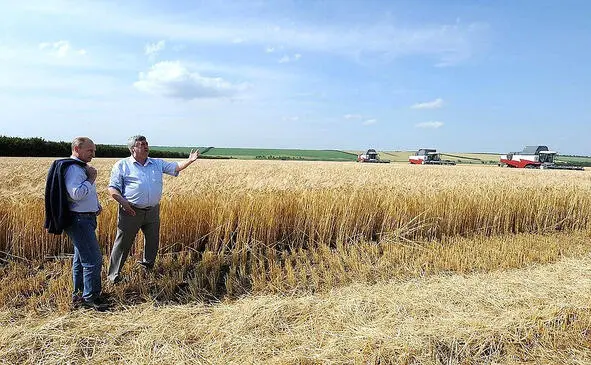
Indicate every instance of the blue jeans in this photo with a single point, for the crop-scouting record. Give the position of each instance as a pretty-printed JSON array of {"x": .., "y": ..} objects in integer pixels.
[{"x": 88, "y": 259}]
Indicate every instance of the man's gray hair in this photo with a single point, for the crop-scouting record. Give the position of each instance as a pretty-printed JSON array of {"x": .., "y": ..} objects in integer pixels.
[
  {"x": 79, "y": 141},
  {"x": 132, "y": 140}
]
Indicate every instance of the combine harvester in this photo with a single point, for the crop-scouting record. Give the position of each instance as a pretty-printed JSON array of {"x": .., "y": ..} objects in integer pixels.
[
  {"x": 534, "y": 157},
  {"x": 371, "y": 156},
  {"x": 428, "y": 156}
]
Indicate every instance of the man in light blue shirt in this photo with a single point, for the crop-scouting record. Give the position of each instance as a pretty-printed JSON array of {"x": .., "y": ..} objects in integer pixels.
[
  {"x": 136, "y": 184},
  {"x": 84, "y": 207}
]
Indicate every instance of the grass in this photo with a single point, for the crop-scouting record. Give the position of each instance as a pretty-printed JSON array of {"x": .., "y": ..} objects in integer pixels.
[
  {"x": 574, "y": 160},
  {"x": 266, "y": 154},
  {"x": 177, "y": 149}
]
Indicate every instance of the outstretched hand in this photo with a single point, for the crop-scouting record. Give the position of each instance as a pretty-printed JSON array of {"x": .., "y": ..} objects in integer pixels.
[
  {"x": 193, "y": 155},
  {"x": 192, "y": 158}
]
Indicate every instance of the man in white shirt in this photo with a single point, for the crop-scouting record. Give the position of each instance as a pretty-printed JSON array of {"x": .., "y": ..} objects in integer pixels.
[
  {"x": 136, "y": 184},
  {"x": 84, "y": 207}
]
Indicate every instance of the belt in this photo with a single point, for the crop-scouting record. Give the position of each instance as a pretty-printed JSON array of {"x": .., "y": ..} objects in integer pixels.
[
  {"x": 146, "y": 208},
  {"x": 84, "y": 213}
]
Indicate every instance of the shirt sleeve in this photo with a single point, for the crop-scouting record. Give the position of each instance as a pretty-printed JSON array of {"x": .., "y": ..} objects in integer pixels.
[
  {"x": 76, "y": 184},
  {"x": 169, "y": 168},
  {"x": 116, "y": 180}
]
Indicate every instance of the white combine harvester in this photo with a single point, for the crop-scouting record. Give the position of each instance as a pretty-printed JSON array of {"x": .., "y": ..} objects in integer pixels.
[
  {"x": 534, "y": 157},
  {"x": 371, "y": 156},
  {"x": 428, "y": 156}
]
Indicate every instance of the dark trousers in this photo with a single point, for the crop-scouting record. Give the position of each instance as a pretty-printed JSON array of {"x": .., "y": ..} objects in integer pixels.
[{"x": 148, "y": 220}]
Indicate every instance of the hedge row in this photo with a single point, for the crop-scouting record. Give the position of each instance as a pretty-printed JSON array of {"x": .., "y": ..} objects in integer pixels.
[{"x": 38, "y": 147}]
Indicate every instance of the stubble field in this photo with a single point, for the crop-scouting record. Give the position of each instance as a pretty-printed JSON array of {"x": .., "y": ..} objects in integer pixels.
[{"x": 315, "y": 262}]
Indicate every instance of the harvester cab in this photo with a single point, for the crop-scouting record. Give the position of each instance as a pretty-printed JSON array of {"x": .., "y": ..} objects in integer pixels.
[
  {"x": 534, "y": 157},
  {"x": 546, "y": 157},
  {"x": 370, "y": 156},
  {"x": 428, "y": 156}
]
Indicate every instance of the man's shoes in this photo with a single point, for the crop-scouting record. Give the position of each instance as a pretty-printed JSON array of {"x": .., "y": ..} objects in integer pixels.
[
  {"x": 148, "y": 266},
  {"x": 77, "y": 300},
  {"x": 117, "y": 280},
  {"x": 98, "y": 303}
]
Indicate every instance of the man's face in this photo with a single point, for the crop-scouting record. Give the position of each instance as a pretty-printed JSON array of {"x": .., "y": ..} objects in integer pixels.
[
  {"x": 86, "y": 151},
  {"x": 140, "y": 149}
]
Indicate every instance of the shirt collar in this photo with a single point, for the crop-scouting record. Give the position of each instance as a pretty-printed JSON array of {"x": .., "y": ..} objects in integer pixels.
[
  {"x": 76, "y": 158},
  {"x": 133, "y": 160}
]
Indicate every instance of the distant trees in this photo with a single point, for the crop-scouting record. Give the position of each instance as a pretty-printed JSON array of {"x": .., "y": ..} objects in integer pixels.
[{"x": 38, "y": 147}]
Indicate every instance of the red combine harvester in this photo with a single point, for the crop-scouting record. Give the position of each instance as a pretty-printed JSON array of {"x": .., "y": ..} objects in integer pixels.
[
  {"x": 534, "y": 157},
  {"x": 428, "y": 156}
]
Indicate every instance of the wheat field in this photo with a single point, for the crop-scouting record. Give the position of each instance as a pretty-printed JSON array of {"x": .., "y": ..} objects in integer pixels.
[{"x": 315, "y": 262}]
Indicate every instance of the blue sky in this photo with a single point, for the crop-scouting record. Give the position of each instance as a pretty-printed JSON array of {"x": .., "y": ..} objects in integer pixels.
[{"x": 459, "y": 76}]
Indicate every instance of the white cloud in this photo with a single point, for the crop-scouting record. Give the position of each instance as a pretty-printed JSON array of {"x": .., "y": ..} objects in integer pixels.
[
  {"x": 370, "y": 122},
  {"x": 152, "y": 49},
  {"x": 353, "y": 116},
  {"x": 61, "y": 49},
  {"x": 447, "y": 43},
  {"x": 269, "y": 50},
  {"x": 432, "y": 125},
  {"x": 294, "y": 58},
  {"x": 174, "y": 80},
  {"x": 435, "y": 104}
]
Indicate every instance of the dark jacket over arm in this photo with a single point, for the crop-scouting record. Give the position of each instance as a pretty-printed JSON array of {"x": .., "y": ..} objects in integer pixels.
[{"x": 57, "y": 212}]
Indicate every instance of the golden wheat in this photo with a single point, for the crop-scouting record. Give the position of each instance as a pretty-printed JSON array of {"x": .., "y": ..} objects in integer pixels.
[
  {"x": 225, "y": 205},
  {"x": 231, "y": 227}
]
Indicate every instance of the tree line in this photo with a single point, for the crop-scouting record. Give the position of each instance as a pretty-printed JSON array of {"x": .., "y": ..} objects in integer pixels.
[{"x": 38, "y": 147}]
